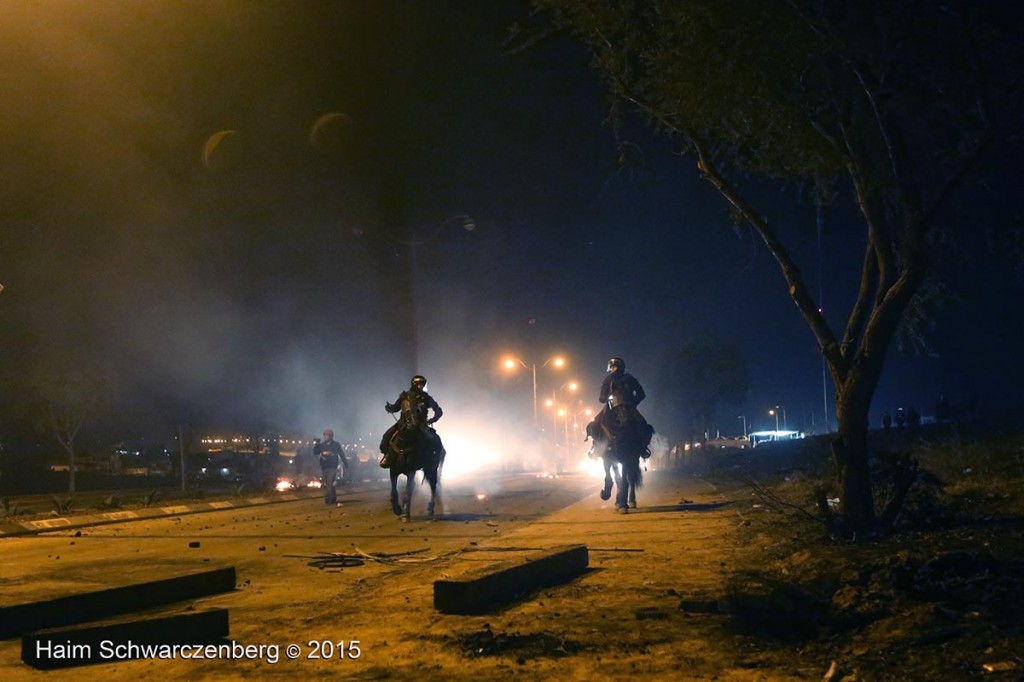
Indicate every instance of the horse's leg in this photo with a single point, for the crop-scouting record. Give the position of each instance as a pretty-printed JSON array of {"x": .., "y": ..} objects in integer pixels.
[
  {"x": 634, "y": 481},
  {"x": 607, "y": 491},
  {"x": 632, "y": 493},
  {"x": 621, "y": 487},
  {"x": 407, "y": 498},
  {"x": 432, "y": 480},
  {"x": 395, "y": 507}
]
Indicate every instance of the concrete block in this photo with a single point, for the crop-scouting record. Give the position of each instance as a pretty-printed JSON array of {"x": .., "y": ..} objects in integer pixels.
[
  {"x": 153, "y": 638},
  {"x": 481, "y": 590},
  {"x": 81, "y": 608}
]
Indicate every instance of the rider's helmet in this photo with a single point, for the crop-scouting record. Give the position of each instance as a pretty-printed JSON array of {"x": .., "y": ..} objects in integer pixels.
[
  {"x": 616, "y": 365},
  {"x": 419, "y": 382}
]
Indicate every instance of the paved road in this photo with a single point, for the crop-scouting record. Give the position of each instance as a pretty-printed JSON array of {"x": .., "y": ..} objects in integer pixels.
[
  {"x": 58, "y": 563},
  {"x": 677, "y": 545}
]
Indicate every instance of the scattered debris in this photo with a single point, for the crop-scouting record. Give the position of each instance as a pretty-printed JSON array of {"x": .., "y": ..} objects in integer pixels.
[
  {"x": 344, "y": 560},
  {"x": 650, "y": 613},
  {"x": 536, "y": 645}
]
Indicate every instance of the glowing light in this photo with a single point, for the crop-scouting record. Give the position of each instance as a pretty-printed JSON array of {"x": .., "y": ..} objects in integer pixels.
[
  {"x": 315, "y": 483},
  {"x": 283, "y": 485},
  {"x": 470, "y": 448},
  {"x": 481, "y": 497},
  {"x": 594, "y": 468},
  {"x": 558, "y": 362},
  {"x": 510, "y": 364}
]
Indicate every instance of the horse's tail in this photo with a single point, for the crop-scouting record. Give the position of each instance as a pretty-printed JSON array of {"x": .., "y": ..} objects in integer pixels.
[{"x": 636, "y": 473}]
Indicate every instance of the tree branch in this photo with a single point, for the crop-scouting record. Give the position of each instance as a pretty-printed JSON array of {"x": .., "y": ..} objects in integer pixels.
[
  {"x": 797, "y": 289},
  {"x": 855, "y": 323}
]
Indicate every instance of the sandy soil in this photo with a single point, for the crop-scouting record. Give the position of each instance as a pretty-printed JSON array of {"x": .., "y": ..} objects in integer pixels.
[{"x": 717, "y": 576}]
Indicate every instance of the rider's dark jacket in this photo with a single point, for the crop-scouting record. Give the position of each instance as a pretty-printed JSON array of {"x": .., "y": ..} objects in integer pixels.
[
  {"x": 622, "y": 388},
  {"x": 422, "y": 400}
]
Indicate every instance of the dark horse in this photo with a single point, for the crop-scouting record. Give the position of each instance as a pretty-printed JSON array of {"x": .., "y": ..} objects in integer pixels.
[
  {"x": 411, "y": 449},
  {"x": 620, "y": 445}
]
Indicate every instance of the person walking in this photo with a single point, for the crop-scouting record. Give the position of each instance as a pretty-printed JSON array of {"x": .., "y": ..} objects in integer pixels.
[{"x": 329, "y": 452}]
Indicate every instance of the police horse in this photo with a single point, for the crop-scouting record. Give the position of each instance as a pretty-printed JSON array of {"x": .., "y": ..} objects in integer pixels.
[
  {"x": 620, "y": 445},
  {"x": 410, "y": 450}
]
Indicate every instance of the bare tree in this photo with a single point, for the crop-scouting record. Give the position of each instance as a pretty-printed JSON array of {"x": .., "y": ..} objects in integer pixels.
[{"x": 69, "y": 395}]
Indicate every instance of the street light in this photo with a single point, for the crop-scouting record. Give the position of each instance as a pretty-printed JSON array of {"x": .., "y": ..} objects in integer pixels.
[
  {"x": 775, "y": 413},
  {"x": 556, "y": 361},
  {"x": 554, "y": 403},
  {"x": 785, "y": 426},
  {"x": 744, "y": 424}
]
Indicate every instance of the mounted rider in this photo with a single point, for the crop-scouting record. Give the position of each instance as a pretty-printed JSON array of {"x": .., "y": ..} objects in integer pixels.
[
  {"x": 621, "y": 393},
  {"x": 420, "y": 401}
]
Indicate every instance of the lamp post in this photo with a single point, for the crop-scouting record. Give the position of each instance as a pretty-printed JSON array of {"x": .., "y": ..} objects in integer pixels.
[
  {"x": 774, "y": 412},
  {"x": 785, "y": 426},
  {"x": 556, "y": 361},
  {"x": 744, "y": 424},
  {"x": 576, "y": 428},
  {"x": 572, "y": 386}
]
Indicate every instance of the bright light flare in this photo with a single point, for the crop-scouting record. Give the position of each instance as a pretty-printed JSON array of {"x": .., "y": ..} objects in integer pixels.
[
  {"x": 315, "y": 483},
  {"x": 594, "y": 468},
  {"x": 283, "y": 485},
  {"x": 470, "y": 448}
]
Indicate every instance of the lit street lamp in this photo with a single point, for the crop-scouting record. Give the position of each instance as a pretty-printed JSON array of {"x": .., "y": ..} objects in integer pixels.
[
  {"x": 775, "y": 413},
  {"x": 556, "y": 361},
  {"x": 572, "y": 386}
]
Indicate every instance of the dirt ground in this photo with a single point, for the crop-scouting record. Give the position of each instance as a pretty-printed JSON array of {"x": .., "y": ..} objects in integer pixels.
[
  {"x": 721, "y": 574},
  {"x": 736, "y": 580}
]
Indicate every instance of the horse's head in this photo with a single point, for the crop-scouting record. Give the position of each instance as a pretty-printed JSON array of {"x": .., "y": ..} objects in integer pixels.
[{"x": 413, "y": 415}]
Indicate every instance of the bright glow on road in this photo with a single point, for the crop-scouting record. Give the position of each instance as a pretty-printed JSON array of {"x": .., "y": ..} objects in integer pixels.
[
  {"x": 471, "y": 448},
  {"x": 591, "y": 467}
]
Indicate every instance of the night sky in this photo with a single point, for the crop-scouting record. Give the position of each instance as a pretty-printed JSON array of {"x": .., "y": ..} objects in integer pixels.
[{"x": 275, "y": 277}]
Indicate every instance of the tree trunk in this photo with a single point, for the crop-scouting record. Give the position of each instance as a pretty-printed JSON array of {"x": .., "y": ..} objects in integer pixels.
[
  {"x": 850, "y": 451},
  {"x": 71, "y": 468},
  {"x": 181, "y": 454}
]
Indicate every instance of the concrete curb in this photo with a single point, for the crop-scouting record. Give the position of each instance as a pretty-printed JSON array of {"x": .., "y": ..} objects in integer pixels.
[
  {"x": 14, "y": 528},
  {"x": 104, "y": 643},
  {"x": 113, "y": 601},
  {"x": 482, "y": 590}
]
